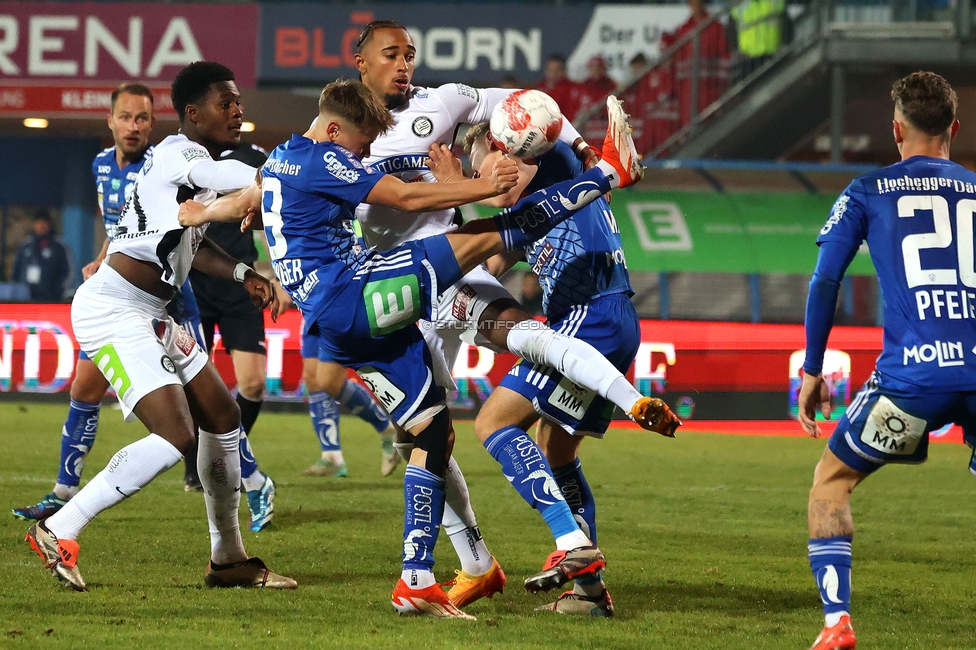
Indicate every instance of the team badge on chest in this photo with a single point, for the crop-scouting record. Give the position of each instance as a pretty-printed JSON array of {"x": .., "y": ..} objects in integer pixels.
[{"x": 422, "y": 127}]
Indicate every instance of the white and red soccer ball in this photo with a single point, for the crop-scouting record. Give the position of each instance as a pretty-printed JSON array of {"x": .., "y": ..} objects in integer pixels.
[{"x": 526, "y": 124}]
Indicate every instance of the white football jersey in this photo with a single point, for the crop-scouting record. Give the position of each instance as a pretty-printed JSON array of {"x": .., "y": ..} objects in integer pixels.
[
  {"x": 431, "y": 115},
  {"x": 149, "y": 228}
]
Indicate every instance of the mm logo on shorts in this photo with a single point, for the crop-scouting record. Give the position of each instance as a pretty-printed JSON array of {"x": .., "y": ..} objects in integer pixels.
[
  {"x": 385, "y": 390},
  {"x": 392, "y": 304},
  {"x": 108, "y": 362},
  {"x": 891, "y": 430}
]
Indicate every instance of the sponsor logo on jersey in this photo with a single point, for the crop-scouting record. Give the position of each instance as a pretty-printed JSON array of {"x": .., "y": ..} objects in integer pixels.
[
  {"x": 467, "y": 91},
  {"x": 275, "y": 166},
  {"x": 311, "y": 280},
  {"x": 184, "y": 341},
  {"x": 840, "y": 207},
  {"x": 891, "y": 430},
  {"x": 422, "y": 127},
  {"x": 545, "y": 255},
  {"x": 104, "y": 169},
  {"x": 924, "y": 184},
  {"x": 405, "y": 162},
  {"x": 131, "y": 176},
  {"x": 461, "y": 300},
  {"x": 571, "y": 399},
  {"x": 116, "y": 183},
  {"x": 338, "y": 169},
  {"x": 946, "y": 353},
  {"x": 385, "y": 390},
  {"x": 392, "y": 304},
  {"x": 191, "y": 153}
]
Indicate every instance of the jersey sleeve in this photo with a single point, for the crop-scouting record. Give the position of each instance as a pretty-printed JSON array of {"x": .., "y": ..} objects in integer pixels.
[
  {"x": 176, "y": 161},
  {"x": 341, "y": 175},
  {"x": 471, "y": 105},
  {"x": 848, "y": 220}
]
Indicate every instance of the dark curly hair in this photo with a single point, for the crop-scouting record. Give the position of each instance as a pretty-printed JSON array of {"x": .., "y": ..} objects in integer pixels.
[
  {"x": 366, "y": 35},
  {"x": 193, "y": 82},
  {"x": 927, "y": 101}
]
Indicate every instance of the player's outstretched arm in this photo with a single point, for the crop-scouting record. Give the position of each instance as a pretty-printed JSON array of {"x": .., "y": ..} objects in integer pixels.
[
  {"x": 234, "y": 207},
  {"x": 419, "y": 197},
  {"x": 212, "y": 260}
]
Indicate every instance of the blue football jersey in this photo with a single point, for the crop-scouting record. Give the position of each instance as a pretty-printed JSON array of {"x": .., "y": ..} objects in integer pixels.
[
  {"x": 581, "y": 258},
  {"x": 114, "y": 185},
  {"x": 310, "y": 193},
  {"x": 917, "y": 218}
]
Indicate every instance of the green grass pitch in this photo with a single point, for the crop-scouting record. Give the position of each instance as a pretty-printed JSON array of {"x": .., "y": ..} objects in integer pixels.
[{"x": 705, "y": 537}]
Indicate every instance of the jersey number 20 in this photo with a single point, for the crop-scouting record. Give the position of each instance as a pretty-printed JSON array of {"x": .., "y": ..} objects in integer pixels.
[{"x": 941, "y": 238}]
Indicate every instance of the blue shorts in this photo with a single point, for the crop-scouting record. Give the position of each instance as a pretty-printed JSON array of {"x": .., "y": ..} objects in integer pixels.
[
  {"x": 370, "y": 326},
  {"x": 610, "y": 324},
  {"x": 885, "y": 425},
  {"x": 184, "y": 310}
]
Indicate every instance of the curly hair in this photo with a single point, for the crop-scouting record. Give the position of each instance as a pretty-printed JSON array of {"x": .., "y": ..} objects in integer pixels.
[
  {"x": 192, "y": 83},
  {"x": 927, "y": 101}
]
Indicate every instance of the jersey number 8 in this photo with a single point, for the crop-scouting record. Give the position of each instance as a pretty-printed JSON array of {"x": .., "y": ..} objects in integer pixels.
[
  {"x": 941, "y": 238},
  {"x": 271, "y": 216}
]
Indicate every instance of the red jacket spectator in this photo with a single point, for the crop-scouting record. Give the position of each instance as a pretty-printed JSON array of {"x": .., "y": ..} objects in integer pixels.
[
  {"x": 558, "y": 86},
  {"x": 713, "y": 62},
  {"x": 596, "y": 86}
]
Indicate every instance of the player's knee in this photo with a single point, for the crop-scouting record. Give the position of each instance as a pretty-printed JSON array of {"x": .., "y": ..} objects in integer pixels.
[
  {"x": 833, "y": 479},
  {"x": 437, "y": 441},
  {"x": 309, "y": 378},
  {"x": 251, "y": 387}
]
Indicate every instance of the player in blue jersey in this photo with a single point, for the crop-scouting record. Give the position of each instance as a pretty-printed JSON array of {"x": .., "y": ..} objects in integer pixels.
[
  {"x": 917, "y": 219},
  {"x": 131, "y": 121},
  {"x": 586, "y": 294},
  {"x": 363, "y": 305}
]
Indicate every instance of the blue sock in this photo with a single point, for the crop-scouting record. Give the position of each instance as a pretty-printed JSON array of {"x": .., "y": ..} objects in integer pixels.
[
  {"x": 527, "y": 470},
  {"x": 325, "y": 420},
  {"x": 535, "y": 215},
  {"x": 423, "y": 496},
  {"x": 77, "y": 438},
  {"x": 830, "y": 561},
  {"x": 361, "y": 404},
  {"x": 578, "y": 496},
  {"x": 248, "y": 464}
]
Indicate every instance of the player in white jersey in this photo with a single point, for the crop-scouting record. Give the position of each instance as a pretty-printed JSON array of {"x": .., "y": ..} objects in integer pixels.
[
  {"x": 159, "y": 372},
  {"x": 478, "y": 309}
]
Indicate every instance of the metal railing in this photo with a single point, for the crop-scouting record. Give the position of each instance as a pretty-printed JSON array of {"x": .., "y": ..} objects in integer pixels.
[{"x": 687, "y": 85}]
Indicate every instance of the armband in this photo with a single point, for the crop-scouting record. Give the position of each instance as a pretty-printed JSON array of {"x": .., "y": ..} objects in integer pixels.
[{"x": 240, "y": 270}]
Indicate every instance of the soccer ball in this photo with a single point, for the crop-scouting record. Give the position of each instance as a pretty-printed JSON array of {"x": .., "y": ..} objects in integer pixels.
[{"x": 526, "y": 124}]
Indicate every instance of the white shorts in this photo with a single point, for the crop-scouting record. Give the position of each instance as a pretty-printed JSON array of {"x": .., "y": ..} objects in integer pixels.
[
  {"x": 459, "y": 310},
  {"x": 127, "y": 333}
]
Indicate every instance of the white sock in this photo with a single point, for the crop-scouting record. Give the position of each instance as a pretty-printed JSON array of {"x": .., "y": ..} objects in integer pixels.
[
  {"x": 572, "y": 540},
  {"x": 253, "y": 482},
  {"x": 334, "y": 457},
  {"x": 65, "y": 491},
  {"x": 416, "y": 579},
  {"x": 131, "y": 468},
  {"x": 219, "y": 466},
  {"x": 460, "y": 524},
  {"x": 577, "y": 360},
  {"x": 830, "y": 620},
  {"x": 611, "y": 173}
]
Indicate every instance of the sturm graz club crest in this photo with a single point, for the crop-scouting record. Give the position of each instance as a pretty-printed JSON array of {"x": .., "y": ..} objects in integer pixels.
[{"x": 422, "y": 127}]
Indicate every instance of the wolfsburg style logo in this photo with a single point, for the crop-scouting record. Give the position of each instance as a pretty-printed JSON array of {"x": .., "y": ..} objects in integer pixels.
[
  {"x": 392, "y": 304},
  {"x": 338, "y": 169}
]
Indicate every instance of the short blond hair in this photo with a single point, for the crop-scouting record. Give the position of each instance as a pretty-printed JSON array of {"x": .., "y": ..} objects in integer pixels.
[{"x": 353, "y": 101}]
